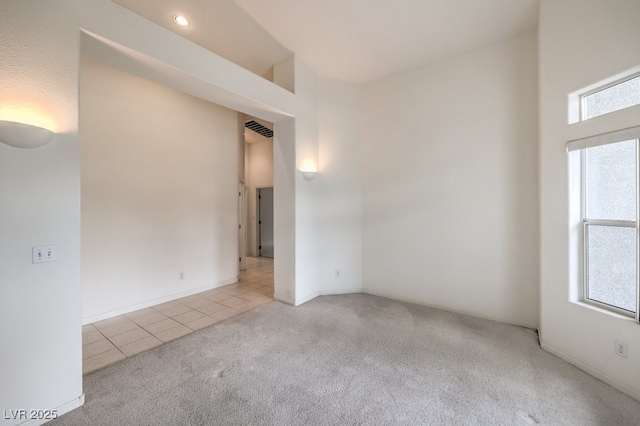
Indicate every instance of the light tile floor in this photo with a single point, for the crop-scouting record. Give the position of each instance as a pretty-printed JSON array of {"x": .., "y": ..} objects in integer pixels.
[{"x": 114, "y": 339}]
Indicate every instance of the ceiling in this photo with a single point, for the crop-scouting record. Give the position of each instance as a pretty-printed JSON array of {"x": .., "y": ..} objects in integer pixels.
[
  {"x": 220, "y": 26},
  {"x": 352, "y": 40}
]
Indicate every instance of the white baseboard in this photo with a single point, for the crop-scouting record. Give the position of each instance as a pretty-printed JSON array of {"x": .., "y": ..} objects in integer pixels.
[
  {"x": 283, "y": 300},
  {"x": 313, "y": 295},
  {"x": 457, "y": 311},
  {"x": 138, "y": 306},
  {"x": 341, "y": 291},
  {"x": 63, "y": 409},
  {"x": 306, "y": 298},
  {"x": 326, "y": 293},
  {"x": 633, "y": 393}
]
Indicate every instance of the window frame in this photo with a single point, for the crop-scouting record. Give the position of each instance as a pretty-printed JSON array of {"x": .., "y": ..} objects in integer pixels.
[
  {"x": 586, "y": 222},
  {"x": 584, "y": 95},
  {"x": 582, "y": 133}
]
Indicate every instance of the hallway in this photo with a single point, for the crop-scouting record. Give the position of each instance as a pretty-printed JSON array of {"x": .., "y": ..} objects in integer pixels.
[{"x": 114, "y": 339}]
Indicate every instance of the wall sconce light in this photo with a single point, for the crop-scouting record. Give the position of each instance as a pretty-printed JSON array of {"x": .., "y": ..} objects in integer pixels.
[
  {"x": 22, "y": 135},
  {"x": 309, "y": 176},
  {"x": 308, "y": 170}
]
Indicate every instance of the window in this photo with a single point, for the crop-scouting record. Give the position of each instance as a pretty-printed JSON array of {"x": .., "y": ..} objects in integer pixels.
[
  {"x": 610, "y": 225},
  {"x": 605, "y": 180},
  {"x": 620, "y": 95}
]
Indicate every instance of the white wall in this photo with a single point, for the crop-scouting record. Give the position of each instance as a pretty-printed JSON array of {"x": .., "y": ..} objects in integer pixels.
[
  {"x": 41, "y": 357},
  {"x": 307, "y": 201},
  {"x": 450, "y": 184},
  {"x": 581, "y": 43},
  {"x": 158, "y": 193},
  {"x": 260, "y": 175},
  {"x": 40, "y": 189},
  {"x": 339, "y": 185},
  {"x": 284, "y": 208},
  {"x": 241, "y": 147}
]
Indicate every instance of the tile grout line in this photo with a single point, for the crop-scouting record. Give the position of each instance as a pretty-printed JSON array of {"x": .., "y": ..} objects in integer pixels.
[{"x": 245, "y": 279}]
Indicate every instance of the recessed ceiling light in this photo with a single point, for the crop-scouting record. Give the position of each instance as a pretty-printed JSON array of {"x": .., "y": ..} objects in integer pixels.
[{"x": 181, "y": 20}]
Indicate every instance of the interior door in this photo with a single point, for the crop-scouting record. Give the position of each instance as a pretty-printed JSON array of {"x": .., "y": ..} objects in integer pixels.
[
  {"x": 241, "y": 226},
  {"x": 265, "y": 222}
]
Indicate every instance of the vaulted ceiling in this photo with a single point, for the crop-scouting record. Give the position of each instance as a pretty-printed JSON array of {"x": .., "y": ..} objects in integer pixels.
[
  {"x": 363, "y": 40},
  {"x": 352, "y": 40}
]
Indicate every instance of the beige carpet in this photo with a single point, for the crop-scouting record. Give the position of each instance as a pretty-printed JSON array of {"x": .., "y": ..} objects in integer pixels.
[{"x": 352, "y": 359}]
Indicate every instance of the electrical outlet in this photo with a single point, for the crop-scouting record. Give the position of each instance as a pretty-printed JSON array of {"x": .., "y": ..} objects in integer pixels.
[
  {"x": 621, "y": 348},
  {"x": 42, "y": 254},
  {"x": 181, "y": 275}
]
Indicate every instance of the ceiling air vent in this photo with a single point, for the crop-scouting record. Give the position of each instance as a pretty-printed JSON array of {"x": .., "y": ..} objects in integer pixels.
[{"x": 259, "y": 129}]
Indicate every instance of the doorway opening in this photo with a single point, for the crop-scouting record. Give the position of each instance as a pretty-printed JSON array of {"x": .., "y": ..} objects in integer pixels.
[
  {"x": 257, "y": 248},
  {"x": 265, "y": 222},
  {"x": 242, "y": 235},
  {"x": 258, "y": 180}
]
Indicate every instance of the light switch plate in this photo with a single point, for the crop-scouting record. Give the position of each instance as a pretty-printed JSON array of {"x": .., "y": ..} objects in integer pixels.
[{"x": 42, "y": 254}]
